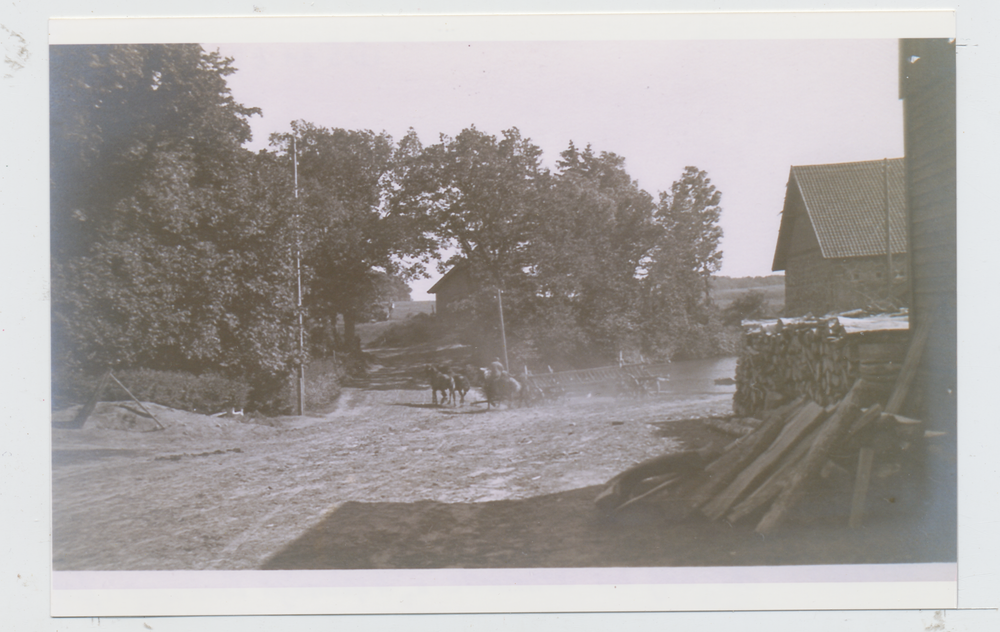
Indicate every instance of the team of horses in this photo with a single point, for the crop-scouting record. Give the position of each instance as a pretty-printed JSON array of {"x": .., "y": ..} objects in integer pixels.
[{"x": 495, "y": 382}]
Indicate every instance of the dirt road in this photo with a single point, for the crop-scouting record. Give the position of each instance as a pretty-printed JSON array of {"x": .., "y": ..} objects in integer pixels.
[
  {"x": 389, "y": 481},
  {"x": 218, "y": 493}
]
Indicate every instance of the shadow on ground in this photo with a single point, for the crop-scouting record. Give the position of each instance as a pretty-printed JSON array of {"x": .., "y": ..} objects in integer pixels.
[{"x": 565, "y": 530}]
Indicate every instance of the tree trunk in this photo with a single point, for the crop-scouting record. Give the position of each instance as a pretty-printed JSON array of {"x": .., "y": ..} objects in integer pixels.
[{"x": 349, "y": 321}]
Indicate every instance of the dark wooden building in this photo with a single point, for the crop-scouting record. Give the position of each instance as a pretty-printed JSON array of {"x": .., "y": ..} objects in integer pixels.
[
  {"x": 927, "y": 88},
  {"x": 455, "y": 285},
  {"x": 832, "y": 241}
]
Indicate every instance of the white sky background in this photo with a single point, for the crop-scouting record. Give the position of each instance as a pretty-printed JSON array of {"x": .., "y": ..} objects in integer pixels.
[{"x": 744, "y": 111}]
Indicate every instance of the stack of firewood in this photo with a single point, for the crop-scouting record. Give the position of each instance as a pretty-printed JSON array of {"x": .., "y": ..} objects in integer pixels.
[
  {"x": 785, "y": 360},
  {"x": 779, "y": 454}
]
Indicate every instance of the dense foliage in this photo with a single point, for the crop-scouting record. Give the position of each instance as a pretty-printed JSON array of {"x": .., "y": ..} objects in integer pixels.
[
  {"x": 591, "y": 267},
  {"x": 353, "y": 241},
  {"x": 176, "y": 249},
  {"x": 170, "y": 245}
]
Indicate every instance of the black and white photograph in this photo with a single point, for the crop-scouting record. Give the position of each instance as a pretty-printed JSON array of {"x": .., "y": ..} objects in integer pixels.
[{"x": 637, "y": 310}]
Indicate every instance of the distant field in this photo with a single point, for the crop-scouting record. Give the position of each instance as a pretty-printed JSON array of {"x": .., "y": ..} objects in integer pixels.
[
  {"x": 403, "y": 310},
  {"x": 775, "y": 295}
]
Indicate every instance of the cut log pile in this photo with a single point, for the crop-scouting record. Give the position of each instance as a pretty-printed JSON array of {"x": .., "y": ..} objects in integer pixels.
[
  {"x": 807, "y": 357},
  {"x": 819, "y": 358},
  {"x": 814, "y": 386}
]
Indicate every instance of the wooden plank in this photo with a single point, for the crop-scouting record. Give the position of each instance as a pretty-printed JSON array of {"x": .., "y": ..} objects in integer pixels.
[
  {"x": 680, "y": 463},
  {"x": 134, "y": 399},
  {"x": 769, "y": 489},
  {"x": 88, "y": 408},
  {"x": 911, "y": 364},
  {"x": 870, "y": 414},
  {"x": 794, "y": 430},
  {"x": 831, "y": 432},
  {"x": 724, "y": 469},
  {"x": 665, "y": 484},
  {"x": 861, "y": 482}
]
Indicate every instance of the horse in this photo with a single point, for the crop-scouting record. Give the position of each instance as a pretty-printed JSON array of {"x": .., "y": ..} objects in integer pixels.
[
  {"x": 462, "y": 384},
  {"x": 498, "y": 385},
  {"x": 443, "y": 383}
]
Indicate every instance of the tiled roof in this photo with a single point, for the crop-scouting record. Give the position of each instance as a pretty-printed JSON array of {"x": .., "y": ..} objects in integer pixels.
[{"x": 846, "y": 206}]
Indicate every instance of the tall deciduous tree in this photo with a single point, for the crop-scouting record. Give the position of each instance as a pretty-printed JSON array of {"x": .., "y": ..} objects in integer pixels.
[
  {"x": 169, "y": 241},
  {"x": 478, "y": 192},
  {"x": 350, "y": 233},
  {"x": 682, "y": 263},
  {"x": 591, "y": 234}
]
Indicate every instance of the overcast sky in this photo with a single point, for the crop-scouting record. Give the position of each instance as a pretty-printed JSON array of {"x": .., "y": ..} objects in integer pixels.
[{"x": 744, "y": 111}]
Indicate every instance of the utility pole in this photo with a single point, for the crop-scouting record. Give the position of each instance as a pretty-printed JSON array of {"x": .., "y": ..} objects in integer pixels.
[
  {"x": 503, "y": 334},
  {"x": 300, "y": 390},
  {"x": 888, "y": 246}
]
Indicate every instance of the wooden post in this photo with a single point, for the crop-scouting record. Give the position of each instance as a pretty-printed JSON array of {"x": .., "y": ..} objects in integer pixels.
[
  {"x": 910, "y": 365},
  {"x": 888, "y": 245},
  {"x": 88, "y": 408},
  {"x": 136, "y": 400},
  {"x": 300, "y": 376},
  {"x": 861, "y": 482},
  {"x": 503, "y": 334}
]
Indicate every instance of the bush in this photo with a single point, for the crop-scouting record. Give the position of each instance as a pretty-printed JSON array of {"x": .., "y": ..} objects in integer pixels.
[
  {"x": 749, "y": 305},
  {"x": 276, "y": 395},
  {"x": 205, "y": 393}
]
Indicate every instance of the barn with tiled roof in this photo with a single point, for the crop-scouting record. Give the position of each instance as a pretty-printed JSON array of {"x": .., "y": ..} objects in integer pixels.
[{"x": 832, "y": 241}]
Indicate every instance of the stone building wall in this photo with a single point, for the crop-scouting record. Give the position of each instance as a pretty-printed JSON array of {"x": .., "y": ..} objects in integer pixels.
[{"x": 821, "y": 286}]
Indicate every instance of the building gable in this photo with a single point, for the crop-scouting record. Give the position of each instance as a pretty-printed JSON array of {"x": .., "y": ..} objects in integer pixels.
[{"x": 845, "y": 206}]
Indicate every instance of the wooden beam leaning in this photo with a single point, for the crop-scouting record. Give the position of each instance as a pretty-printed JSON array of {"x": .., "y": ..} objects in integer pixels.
[
  {"x": 662, "y": 486},
  {"x": 136, "y": 400},
  {"x": 802, "y": 423},
  {"x": 723, "y": 470},
  {"x": 831, "y": 432},
  {"x": 872, "y": 413},
  {"x": 88, "y": 408},
  {"x": 910, "y": 364},
  {"x": 770, "y": 488},
  {"x": 861, "y": 482}
]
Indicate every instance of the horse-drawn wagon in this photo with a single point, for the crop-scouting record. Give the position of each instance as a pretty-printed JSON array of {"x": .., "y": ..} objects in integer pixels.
[{"x": 636, "y": 380}]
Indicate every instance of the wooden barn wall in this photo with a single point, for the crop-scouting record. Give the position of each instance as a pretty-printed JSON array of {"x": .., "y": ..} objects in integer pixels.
[
  {"x": 927, "y": 69},
  {"x": 457, "y": 287},
  {"x": 822, "y": 286},
  {"x": 806, "y": 276}
]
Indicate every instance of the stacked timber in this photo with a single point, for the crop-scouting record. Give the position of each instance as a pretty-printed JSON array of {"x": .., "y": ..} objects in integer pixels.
[
  {"x": 762, "y": 475},
  {"x": 784, "y": 360},
  {"x": 819, "y": 358},
  {"x": 767, "y": 472}
]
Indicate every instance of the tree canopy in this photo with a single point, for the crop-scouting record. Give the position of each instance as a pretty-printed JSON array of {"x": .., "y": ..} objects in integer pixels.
[
  {"x": 174, "y": 247},
  {"x": 350, "y": 233},
  {"x": 169, "y": 240}
]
